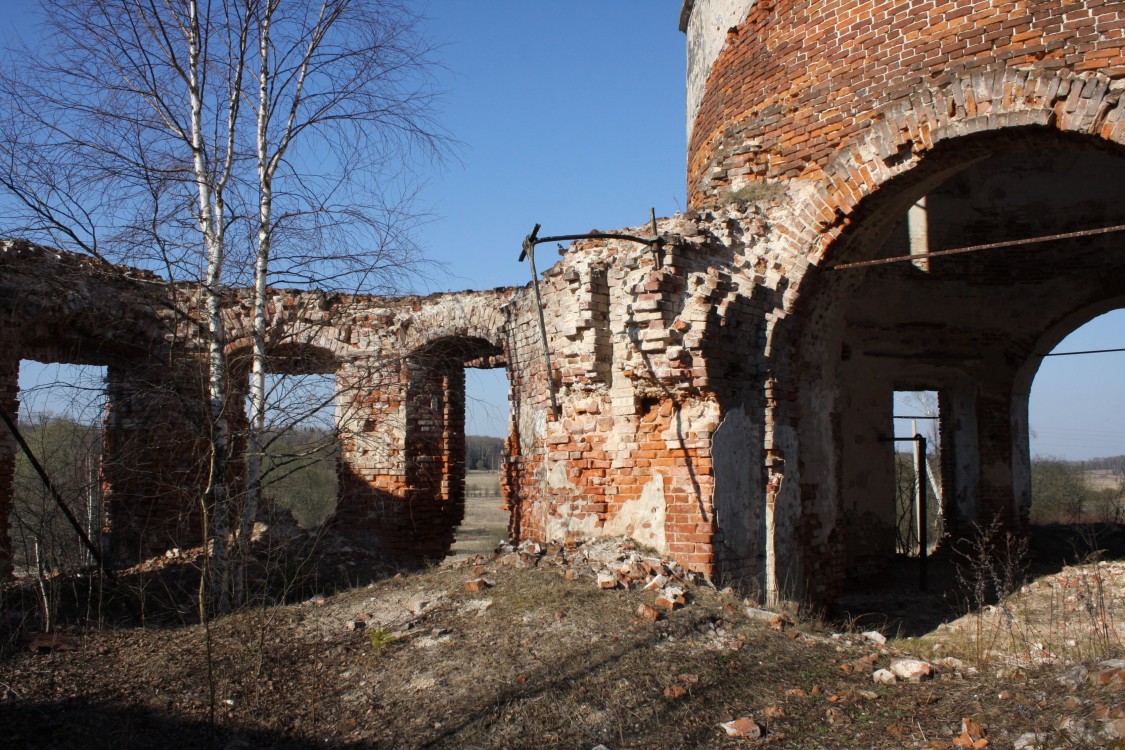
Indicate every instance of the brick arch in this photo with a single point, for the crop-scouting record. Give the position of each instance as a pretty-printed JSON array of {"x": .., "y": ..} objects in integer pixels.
[
  {"x": 798, "y": 78},
  {"x": 931, "y": 132},
  {"x": 846, "y": 214},
  {"x": 1025, "y": 378},
  {"x": 297, "y": 321},
  {"x": 458, "y": 348},
  {"x": 313, "y": 355},
  {"x": 479, "y": 316},
  {"x": 1054, "y": 335}
]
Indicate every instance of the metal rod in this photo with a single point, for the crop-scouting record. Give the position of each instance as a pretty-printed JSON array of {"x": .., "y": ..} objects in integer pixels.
[
  {"x": 921, "y": 481},
  {"x": 529, "y": 244},
  {"x": 534, "y": 240},
  {"x": 54, "y": 492},
  {"x": 975, "y": 248},
  {"x": 1088, "y": 351}
]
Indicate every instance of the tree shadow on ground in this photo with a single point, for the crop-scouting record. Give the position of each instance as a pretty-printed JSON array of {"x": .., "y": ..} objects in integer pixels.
[
  {"x": 164, "y": 592},
  {"x": 83, "y": 724}
]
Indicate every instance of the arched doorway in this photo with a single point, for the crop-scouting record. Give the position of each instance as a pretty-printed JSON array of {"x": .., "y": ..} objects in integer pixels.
[{"x": 875, "y": 319}]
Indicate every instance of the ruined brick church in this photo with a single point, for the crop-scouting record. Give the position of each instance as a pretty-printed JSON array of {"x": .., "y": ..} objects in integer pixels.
[{"x": 723, "y": 395}]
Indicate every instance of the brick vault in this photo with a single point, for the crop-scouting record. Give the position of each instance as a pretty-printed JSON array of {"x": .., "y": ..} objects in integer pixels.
[{"x": 725, "y": 400}]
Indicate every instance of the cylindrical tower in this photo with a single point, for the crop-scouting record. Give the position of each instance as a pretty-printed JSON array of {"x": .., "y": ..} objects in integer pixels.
[{"x": 777, "y": 87}]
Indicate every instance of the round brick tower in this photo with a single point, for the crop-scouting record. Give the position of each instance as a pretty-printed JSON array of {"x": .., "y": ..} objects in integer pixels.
[
  {"x": 831, "y": 141},
  {"x": 777, "y": 87}
]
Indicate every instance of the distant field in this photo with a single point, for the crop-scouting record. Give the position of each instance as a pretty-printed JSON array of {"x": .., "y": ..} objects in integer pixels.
[
  {"x": 1103, "y": 479},
  {"x": 485, "y": 524},
  {"x": 482, "y": 483}
]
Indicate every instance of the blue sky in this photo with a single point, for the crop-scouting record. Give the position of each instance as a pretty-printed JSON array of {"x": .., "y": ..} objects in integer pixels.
[{"x": 571, "y": 115}]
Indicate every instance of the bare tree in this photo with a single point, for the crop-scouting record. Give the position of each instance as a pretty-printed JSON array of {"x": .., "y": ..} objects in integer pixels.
[
  {"x": 331, "y": 79},
  {"x": 228, "y": 143}
]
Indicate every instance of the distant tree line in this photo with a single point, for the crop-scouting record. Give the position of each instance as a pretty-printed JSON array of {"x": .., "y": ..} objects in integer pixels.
[
  {"x": 1064, "y": 492},
  {"x": 482, "y": 453},
  {"x": 42, "y": 538},
  {"x": 301, "y": 465},
  {"x": 1116, "y": 464}
]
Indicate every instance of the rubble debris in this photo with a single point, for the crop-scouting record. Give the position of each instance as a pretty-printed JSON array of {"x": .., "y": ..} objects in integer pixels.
[
  {"x": 476, "y": 585},
  {"x": 46, "y": 642},
  {"x": 744, "y": 727},
  {"x": 912, "y": 670}
]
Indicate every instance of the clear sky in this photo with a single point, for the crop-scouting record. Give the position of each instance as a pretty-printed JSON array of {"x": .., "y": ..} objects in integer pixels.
[{"x": 571, "y": 115}]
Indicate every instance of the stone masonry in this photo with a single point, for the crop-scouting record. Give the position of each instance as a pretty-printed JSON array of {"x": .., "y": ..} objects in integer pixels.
[{"x": 726, "y": 398}]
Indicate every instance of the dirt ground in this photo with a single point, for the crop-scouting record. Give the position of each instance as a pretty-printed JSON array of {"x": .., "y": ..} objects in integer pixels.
[{"x": 540, "y": 655}]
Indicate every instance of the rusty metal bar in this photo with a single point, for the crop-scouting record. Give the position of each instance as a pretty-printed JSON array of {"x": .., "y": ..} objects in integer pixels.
[
  {"x": 529, "y": 243},
  {"x": 656, "y": 242},
  {"x": 1088, "y": 351},
  {"x": 975, "y": 248},
  {"x": 588, "y": 236},
  {"x": 920, "y": 478}
]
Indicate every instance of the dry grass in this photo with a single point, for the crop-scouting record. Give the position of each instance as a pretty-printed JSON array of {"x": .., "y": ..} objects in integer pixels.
[
  {"x": 1070, "y": 616},
  {"x": 486, "y": 522},
  {"x": 535, "y": 661}
]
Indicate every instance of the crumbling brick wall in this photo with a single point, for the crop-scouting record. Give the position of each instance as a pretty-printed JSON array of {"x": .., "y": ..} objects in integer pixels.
[
  {"x": 399, "y": 367},
  {"x": 649, "y": 350},
  {"x": 724, "y": 399}
]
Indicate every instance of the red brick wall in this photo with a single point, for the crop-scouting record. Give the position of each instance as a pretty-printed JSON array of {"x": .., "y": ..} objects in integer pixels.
[
  {"x": 800, "y": 79},
  {"x": 155, "y": 459}
]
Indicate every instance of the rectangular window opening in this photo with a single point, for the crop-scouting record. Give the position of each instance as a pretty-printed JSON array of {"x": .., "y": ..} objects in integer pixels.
[
  {"x": 916, "y": 414},
  {"x": 62, "y": 409}
]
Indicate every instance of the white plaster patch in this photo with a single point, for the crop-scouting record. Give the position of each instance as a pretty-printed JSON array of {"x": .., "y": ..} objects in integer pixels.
[
  {"x": 557, "y": 478},
  {"x": 643, "y": 519},
  {"x": 706, "y": 36},
  {"x": 532, "y": 427},
  {"x": 568, "y": 524},
  {"x": 567, "y": 519}
]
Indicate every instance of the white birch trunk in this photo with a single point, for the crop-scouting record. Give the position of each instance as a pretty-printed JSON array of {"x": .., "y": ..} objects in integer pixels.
[
  {"x": 255, "y": 440},
  {"x": 267, "y": 168},
  {"x": 211, "y": 186}
]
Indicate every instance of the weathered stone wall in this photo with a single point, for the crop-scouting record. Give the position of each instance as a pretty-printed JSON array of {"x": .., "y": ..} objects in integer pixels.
[
  {"x": 727, "y": 399},
  {"x": 398, "y": 364}
]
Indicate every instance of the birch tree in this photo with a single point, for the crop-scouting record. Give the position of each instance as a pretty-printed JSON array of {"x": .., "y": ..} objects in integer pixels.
[{"x": 230, "y": 143}]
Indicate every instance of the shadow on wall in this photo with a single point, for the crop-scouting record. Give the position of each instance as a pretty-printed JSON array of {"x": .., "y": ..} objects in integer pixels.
[{"x": 409, "y": 527}]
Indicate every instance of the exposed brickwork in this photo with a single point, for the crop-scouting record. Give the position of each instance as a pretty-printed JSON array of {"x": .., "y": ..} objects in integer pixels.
[
  {"x": 802, "y": 80},
  {"x": 727, "y": 398}
]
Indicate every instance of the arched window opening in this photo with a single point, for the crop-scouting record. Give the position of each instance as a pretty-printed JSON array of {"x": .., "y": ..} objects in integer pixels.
[
  {"x": 485, "y": 524},
  {"x": 1076, "y": 430}
]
